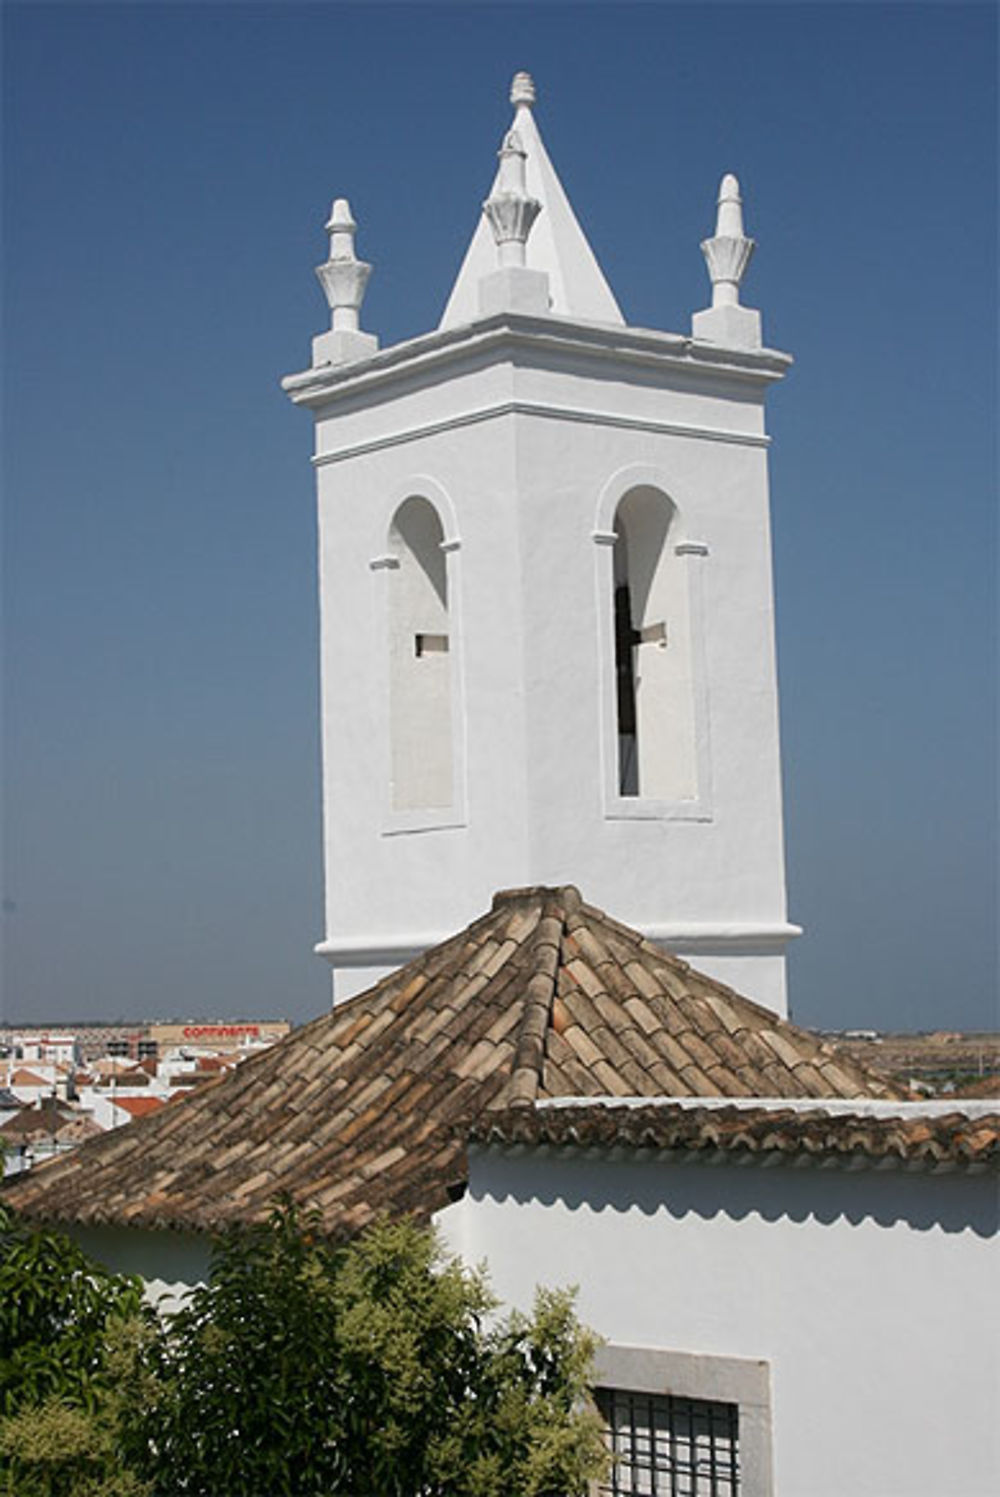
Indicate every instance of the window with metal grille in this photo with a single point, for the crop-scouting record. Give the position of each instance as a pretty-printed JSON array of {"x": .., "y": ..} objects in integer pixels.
[{"x": 663, "y": 1446}]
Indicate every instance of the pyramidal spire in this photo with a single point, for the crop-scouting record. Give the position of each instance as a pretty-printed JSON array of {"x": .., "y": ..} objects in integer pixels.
[{"x": 557, "y": 246}]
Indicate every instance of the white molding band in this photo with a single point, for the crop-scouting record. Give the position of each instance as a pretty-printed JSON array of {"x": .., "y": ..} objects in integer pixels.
[
  {"x": 378, "y": 951},
  {"x": 708, "y": 937},
  {"x": 644, "y": 808},
  {"x": 394, "y": 951},
  {"x": 427, "y": 819},
  {"x": 643, "y": 347},
  {"x": 544, "y": 409},
  {"x": 867, "y": 1107}
]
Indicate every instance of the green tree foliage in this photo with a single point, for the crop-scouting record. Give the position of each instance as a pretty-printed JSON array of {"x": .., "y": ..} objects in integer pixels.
[
  {"x": 249, "y": 1375},
  {"x": 55, "y": 1308},
  {"x": 71, "y": 1341},
  {"x": 303, "y": 1369},
  {"x": 57, "y": 1450}
]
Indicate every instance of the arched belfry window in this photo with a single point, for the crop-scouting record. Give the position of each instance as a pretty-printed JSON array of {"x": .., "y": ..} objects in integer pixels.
[
  {"x": 654, "y": 687},
  {"x": 419, "y": 664}
]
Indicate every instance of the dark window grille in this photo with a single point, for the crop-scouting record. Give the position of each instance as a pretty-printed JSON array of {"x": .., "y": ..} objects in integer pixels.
[{"x": 663, "y": 1446}]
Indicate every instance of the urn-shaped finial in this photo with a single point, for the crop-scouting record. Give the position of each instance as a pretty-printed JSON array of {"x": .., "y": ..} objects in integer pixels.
[
  {"x": 509, "y": 210},
  {"x": 727, "y": 254},
  {"x": 522, "y": 90},
  {"x": 343, "y": 276}
]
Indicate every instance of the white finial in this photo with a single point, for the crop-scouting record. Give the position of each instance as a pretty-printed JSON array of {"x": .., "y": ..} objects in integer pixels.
[
  {"x": 509, "y": 209},
  {"x": 342, "y": 229},
  {"x": 522, "y": 90},
  {"x": 344, "y": 277},
  {"x": 729, "y": 217},
  {"x": 727, "y": 255}
]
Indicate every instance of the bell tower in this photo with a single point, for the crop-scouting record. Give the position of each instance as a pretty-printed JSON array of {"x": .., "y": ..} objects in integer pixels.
[{"x": 547, "y": 621}]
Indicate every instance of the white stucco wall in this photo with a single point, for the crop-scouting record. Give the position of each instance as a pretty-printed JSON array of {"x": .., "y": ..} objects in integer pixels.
[
  {"x": 171, "y": 1263},
  {"x": 874, "y": 1296},
  {"x": 525, "y": 455}
]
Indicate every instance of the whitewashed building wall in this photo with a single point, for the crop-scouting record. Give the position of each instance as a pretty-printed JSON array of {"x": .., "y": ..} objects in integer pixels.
[{"x": 872, "y": 1297}]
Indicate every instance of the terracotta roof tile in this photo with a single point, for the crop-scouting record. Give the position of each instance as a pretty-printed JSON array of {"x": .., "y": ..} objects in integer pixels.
[
  {"x": 356, "y": 1112},
  {"x": 952, "y": 1140}
]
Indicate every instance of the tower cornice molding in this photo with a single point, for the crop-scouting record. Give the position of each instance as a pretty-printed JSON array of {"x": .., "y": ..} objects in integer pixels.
[
  {"x": 685, "y": 935},
  {"x": 492, "y": 338},
  {"x": 542, "y": 409}
]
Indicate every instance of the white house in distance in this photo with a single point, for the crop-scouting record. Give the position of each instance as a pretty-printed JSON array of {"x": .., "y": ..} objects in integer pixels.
[{"x": 547, "y": 649}]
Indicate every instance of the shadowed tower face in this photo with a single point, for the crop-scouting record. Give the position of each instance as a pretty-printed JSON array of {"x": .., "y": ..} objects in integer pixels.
[{"x": 546, "y": 606}]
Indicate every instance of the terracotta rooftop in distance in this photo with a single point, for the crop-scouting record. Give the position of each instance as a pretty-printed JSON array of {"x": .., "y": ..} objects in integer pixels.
[
  {"x": 140, "y": 1107},
  {"x": 38, "y": 1121},
  {"x": 23, "y": 1077},
  {"x": 77, "y": 1129},
  {"x": 357, "y": 1112},
  {"x": 745, "y": 1134},
  {"x": 217, "y": 1062},
  {"x": 985, "y": 1086},
  {"x": 113, "y": 1065}
]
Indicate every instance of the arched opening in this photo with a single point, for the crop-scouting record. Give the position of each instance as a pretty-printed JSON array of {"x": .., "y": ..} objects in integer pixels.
[
  {"x": 419, "y": 661},
  {"x": 653, "y": 659}
]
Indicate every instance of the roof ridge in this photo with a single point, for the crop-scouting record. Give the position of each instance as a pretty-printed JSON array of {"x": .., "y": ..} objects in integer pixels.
[{"x": 545, "y": 959}]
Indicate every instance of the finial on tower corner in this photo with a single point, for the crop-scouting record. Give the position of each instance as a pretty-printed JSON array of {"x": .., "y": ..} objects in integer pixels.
[
  {"x": 509, "y": 210},
  {"x": 522, "y": 90},
  {"x": 344, "y": 279},
  {"x": 341, "y": 228},
  {"x": 729, "y": 214},
  {"x": 510, "y": 213},
  {"x": 727, "y": 255}
]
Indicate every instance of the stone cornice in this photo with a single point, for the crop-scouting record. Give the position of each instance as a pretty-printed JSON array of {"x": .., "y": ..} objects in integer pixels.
[
  {"x": 540, "y": 408},
  {"x": 704, "y": 936},
  {"x": 507, "y": 333}
]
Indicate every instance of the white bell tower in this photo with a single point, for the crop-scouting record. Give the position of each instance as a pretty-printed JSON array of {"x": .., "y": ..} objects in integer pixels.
[{"x": 546, "y": 605}]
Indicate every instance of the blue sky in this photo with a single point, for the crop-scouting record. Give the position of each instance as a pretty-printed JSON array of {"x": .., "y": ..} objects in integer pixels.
[{"x": 167, "y": 172}]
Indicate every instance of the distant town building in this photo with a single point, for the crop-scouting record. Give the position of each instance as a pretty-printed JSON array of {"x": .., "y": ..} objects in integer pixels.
[
  {"x": 58, "y": 1089},
  {"x": 40, "y": 1045},
  {"x": 85, "y": 1042},
  {"x": 213, "y": 1036}
]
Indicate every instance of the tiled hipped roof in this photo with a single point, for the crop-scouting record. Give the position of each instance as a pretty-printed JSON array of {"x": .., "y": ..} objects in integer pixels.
[
  {"x": 357, "y": 1113},
  {"x": 718, "y": 1135}
]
